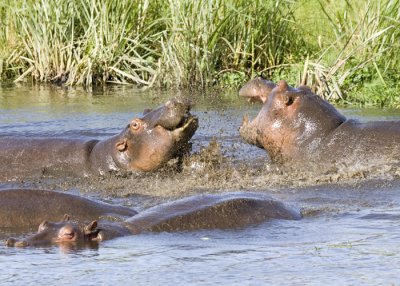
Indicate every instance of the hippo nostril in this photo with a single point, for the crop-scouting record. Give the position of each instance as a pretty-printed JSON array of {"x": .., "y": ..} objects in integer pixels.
[
  {"x": 68, "y": 236},
  {"x": 66, "y": 233}
]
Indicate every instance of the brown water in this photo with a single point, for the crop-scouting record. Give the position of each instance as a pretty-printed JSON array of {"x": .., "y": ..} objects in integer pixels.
[{"x": 349, "y": 234}]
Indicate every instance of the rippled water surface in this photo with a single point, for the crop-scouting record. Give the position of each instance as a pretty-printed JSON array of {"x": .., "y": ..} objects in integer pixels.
[{"x": 349, "y": 236}]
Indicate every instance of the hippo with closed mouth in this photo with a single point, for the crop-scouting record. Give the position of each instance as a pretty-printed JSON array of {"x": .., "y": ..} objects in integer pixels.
[
  {"x": 208, "y": 211},
  {"x": 145, "y": 144},
  {"x": 297, "y": 126}
]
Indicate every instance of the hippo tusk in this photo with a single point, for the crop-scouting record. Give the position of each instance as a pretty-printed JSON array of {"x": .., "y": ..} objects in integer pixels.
[{"x": 245, "y": 120}]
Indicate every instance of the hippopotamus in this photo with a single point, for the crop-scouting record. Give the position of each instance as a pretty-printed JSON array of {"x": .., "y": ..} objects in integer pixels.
[
  {"x": 207, "y": 211},
  {"x": 295, "y": 126},
  {"x": 145, "y": 144},
  {"x": 26, "y": 208}
]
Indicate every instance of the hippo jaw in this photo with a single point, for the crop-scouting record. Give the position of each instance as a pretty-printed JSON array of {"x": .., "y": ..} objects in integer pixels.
[
  {"x": 186, "y": 130},
  {"x": 160, "y": 135},
  {"x": 171, "y": 115},
  {"x": 64, "y": 232},
  {"x": 248, "y": 131}
]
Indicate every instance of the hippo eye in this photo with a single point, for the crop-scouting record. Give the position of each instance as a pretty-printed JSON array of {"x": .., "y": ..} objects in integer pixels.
[{"x": 135, "y": 125}]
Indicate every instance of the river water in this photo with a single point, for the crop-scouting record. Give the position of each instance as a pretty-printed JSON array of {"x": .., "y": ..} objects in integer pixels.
[{"x": 349, "y": 234}]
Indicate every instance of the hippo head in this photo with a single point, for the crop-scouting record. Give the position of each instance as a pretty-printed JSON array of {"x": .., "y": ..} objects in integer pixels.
[
  {"x": 158, "y": 136},
  {"x": 63, "y": 232},
  {"x": 257, "y": 90},
  {"x": 292, "y": 122}
]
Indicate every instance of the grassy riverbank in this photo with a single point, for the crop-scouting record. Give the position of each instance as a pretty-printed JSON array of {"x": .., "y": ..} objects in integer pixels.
[{"x": 345, "y": 52}]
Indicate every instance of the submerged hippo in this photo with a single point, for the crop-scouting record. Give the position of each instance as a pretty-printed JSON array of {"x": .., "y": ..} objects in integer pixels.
[
  {"x": 297, "y": 126},
  {"x": 145, "y": 144},
  {"x": 26, "y": 208},
  {"x": 222, "y": 211}
]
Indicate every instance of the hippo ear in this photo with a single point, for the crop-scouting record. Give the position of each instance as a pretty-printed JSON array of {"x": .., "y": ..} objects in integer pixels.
[
  {"x": 122, "y": 145},
  {"x": 91, "y": 227},
  {"x": 146, "y": 110},
  {"x": 92, "y": 233},
  {"x": 304, "y": 88},
  {"x": 43, "y": 225},
  {"x": 66, "y": 217},
  {"x": 282, "y": 85}
]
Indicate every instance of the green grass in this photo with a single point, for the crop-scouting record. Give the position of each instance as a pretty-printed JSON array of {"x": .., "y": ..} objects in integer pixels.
[
  {"x": 358, "y": 53},
  {"x": 345, "y": 51}
]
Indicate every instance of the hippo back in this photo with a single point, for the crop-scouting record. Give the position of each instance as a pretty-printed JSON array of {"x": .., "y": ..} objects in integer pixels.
[
  {"x": 27, "y": 208},
  {"x": 211, "y": 211}
]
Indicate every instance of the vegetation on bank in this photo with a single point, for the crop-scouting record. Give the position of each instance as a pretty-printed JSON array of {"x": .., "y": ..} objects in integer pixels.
[{"x": 346, "y": 51}]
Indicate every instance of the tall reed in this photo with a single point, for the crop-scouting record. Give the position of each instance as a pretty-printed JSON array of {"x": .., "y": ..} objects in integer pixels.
[
  {"x": 173, "y": 43},
  {"x": 363, "y": 46},
  {"x": 85, "y": 42},
  {"x": 206, "y": 39},
  {"x": 335, "y": 46}
]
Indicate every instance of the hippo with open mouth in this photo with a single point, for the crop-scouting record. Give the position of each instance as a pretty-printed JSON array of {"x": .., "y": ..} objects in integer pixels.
[
  {"x": 145, "y": 144},
  {"x": 297, "y": 126},
  {"x": 208, "y": 211}
]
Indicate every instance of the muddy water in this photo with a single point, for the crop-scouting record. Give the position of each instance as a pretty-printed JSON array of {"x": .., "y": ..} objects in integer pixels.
[{"x": 349, "y": 234}]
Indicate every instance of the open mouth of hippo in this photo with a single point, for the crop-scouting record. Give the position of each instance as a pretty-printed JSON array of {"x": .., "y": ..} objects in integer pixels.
[
  {"x": 185, "y": 122},
  {"x": 174, "y": 116},
  {"x": 248, "y": 131},
  {"x": 186, "y": 128}
]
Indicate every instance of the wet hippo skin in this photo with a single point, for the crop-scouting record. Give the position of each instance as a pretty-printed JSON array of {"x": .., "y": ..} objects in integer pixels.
[
  {"x": 297, "y": 126},
  {"x": 27, "y": 208},
  {"x": 211, "y": 211},
  {"x": 145, "y": 144}
]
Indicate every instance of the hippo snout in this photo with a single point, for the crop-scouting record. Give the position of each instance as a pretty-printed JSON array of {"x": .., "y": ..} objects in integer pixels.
[
  {"x": 173, "y": 114},
  {"x": 12, "y": 242}
]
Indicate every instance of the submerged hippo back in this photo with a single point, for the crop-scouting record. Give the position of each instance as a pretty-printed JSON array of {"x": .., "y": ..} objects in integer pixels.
[
  {"x": 27, "y": 208},
  {"x": 219, "y": 211},
  {"x": 22, "y": 157}
]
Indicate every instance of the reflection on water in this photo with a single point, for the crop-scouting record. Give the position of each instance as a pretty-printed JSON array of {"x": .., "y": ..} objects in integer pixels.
[
  {"x": 335, "y": 250},
  {"x": 349, "y": 236}
]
